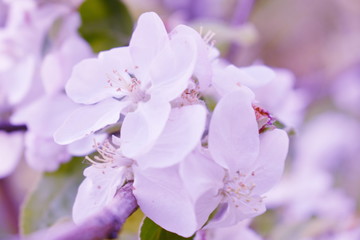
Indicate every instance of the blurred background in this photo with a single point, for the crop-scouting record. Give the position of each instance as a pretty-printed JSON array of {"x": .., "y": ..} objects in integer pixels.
[{"x": 314, "y": 46}]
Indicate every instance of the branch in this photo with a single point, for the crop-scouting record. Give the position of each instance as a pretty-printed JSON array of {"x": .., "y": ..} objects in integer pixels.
[
  {"x": 105, "y": 224},
  {"x": 7, "y": 127},
  {"x": 241, "y": 15}
]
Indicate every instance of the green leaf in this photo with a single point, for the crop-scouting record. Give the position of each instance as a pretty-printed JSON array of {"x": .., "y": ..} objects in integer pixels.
[
  {"x": 151, "y": 231},
  {"x": 105, "y": 24},
  {"x": 52, "y": 199}
]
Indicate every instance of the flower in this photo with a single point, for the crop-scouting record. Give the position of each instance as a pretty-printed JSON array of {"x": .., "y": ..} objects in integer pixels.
[
  {"x": 155, "y": 173},
  {"x": 139, "y": 81},
  {"x": 250, "y": 163},
  {"x": 253, "y": 162}
]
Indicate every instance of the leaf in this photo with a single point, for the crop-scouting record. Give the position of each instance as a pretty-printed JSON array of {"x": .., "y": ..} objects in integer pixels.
[
  {"x": 52, "y": 199},
  {"x": 105, "y": 24},
  {"x": 130, "y": 229},
  {"x": 151, "y": 231}
]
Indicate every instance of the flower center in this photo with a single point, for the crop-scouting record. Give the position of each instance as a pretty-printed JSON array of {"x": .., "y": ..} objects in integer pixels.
[
  {"x": 108, "y": 154},
  {"x": 127, "y": 83},
  {"x": 189, "y": 96},
  {"x": 264, "y": 119},
  {"x": 239, "y": 188},
  {"x": 208, "y": 37}
]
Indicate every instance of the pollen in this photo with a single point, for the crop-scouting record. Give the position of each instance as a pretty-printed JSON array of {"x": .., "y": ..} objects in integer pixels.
[
  {"x": 239, "y": 189},
  {"x": 108, "y": 155},
  {"x": 208, "y": 37},
  {"x": 126, "y": 83}
]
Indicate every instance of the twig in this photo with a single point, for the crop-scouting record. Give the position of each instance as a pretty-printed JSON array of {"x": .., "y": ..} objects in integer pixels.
[
  {"x": 104, "y": 225},
  {"x": 11, "y": 208},
  {"x": 241, "y": 15},
  {"x": 7, "y": 127}
]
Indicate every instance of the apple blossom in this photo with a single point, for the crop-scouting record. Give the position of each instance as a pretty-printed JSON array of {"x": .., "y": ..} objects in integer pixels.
[
  {"x": 253, "y": 163},
  {"x": 111, "y": 169},
  {"x": 132, "y": 79}
]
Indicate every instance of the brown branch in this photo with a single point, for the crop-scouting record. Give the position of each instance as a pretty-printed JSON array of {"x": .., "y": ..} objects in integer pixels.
[
  {"x": 7, "y": 127},
  {"x": 104, "y": 225}
]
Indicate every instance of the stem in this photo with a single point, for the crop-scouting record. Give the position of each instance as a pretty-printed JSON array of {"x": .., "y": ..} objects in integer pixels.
[
  {"x": 11, "y": 209},
  {"x": 7, "y": 127},
  {"x": 241, "y": 15},
  {"x": 242, "y": 12},
  {"x": 104, "y": 225}
]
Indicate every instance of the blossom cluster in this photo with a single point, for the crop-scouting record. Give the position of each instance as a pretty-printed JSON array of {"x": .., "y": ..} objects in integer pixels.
[
  {"x": 186, "y": 161},
  {"x": 171, "y": 121},
  {"x": 36, "y": 55}
]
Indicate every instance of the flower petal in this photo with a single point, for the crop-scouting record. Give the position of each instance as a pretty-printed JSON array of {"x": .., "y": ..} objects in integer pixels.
[
  {"x": 85, "y": 146},
  {"x": 88, "y": 119},
  {"x": 233, "y": 132},
  {"x": 57, "y": 106},
  {"x": 141, "y": 128},
  {"x": 231, "y": 214},
  {"x": 98, "y": 189},
  {"x": 179, "y": 57},
  {"x": 89, "y": 81},
  {"x": 181, "y": 134},
  {"x": 148, "y": 39},
  {"x": 161, "y": 196},
  {"x": 202, "y": 179},
  {"x": 231, "y": 78},
  {"x": 57, "y": 66},
  {"x": 203, "y": 69},
  {"x": 270, "y": 164},
  {"x": 258, "y": 76},
  {"x": 48, "y": 157}
]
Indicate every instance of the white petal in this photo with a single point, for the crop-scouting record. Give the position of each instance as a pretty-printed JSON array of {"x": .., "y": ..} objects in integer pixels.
[
  {"x": 57, "y": 106},
  {"x": 233, "y": 232},
  {"x": 258, "y": 76},
  {"x": 43, "y": 154},
  {"x": 270, "y": 164},
  {"x": 141, "y": 128},
  {"x": 19, "y": 79},
  {"x": 231, "y": 214},
  {"x": 202, "y": 179},
  {"x": 85, "y": 146},
  {"x": 88, "y": 82},
  {"x": 173, "y": 67},
  {"x": 162, "y": 197},
  {"x": 233, "y": 132},
  {"x": 88, "y": 119},
  {"x": 232, "y": 78},
  {"x": 57, "y": 66},
  {"x": 148, "y": 39},
  {"x": 181, "y": 134},
  {"x": 96, "y": 191},
  {"x": 203, "y": 70}
]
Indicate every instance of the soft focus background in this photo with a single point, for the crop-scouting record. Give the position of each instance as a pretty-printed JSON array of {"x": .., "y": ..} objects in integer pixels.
[{"x": 314, "y": 46}]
